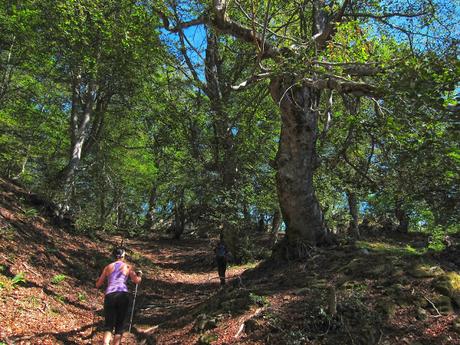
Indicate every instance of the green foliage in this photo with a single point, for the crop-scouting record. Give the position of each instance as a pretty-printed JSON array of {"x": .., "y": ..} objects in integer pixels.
[
  {"x": 18, "y": 279},
  {"x": 60, "y": 298},
  {"x": 58, "y": 278},
  {"x": 206, "y": 339},
  {"x": 82, "y": 297},
  {"x": 261, "y": 301},
  {"x": 437, "y": 242},
  {"x": 30, "y": 212},
  {"x": 7, "y": 231},
  {"x": 10, "y": 284}
]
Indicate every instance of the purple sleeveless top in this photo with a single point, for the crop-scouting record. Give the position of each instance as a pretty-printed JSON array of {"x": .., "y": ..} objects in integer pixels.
[{"x": 117, "y": 280}]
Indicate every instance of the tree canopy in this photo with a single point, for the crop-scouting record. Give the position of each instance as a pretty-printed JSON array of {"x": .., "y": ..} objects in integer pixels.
[{"x": 310, "y": 116}]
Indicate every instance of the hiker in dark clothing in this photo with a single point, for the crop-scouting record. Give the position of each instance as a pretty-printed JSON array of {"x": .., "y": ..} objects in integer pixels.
[
  {"x": 221, "y": 258},
  {"x": 116, "y": 299}
]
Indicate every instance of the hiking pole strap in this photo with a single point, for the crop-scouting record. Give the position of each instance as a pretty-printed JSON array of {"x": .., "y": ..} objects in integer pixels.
[{"x": 132, "y": 309}]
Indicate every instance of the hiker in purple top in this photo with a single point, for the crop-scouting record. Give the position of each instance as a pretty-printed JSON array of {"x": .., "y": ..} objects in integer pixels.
[{"x": 116, "y": 299}]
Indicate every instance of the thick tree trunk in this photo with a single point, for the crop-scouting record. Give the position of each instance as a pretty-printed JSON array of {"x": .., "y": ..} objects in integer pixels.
[
  {"x": 353, "y": 208},
  {"x": 296, "y": 160}
]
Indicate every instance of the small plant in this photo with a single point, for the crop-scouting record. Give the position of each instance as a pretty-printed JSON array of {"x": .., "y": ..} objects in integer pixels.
[
  {"x": 18, "y": 278},
  {"x": 81, "y": 297},
  {"x": 52, "y": 250},
  {"x": 58, "y": 278},
  {"x": 7, "y": 232},
  {"x": 31, "y": 302},
  {"x": 60, "y": 298},
  {"x": 259, "y": 300},
  {"x": 30, "y": 213},
  {"x": 206, "y": 339}
]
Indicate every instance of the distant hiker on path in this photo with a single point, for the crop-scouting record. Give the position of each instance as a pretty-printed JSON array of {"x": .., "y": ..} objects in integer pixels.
[
  {"x": 116, "y": 301},
  {"x": 222, "y": 253}
]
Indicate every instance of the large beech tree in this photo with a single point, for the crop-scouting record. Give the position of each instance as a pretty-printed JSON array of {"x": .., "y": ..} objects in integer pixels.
[{"x": 309, "y": 47}]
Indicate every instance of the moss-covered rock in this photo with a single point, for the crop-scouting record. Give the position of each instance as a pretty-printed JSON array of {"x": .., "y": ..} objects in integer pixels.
[
  {"x": 399, "y": 294},
  {"x": 421, "y": 314},
  {"x": 443, "y": 304},
  {"x": 454, "y": 282},
  {"x": 420, "y": 301},
  {"x": 425, "y": 271},
  {"x": 449, "y": 285},
  {"x": 442, "y": 286},
  {"x": 207, "y": 339},
  {"x": 387, "y": 307},
  {"x": 354, "y": 266},
  {"x": 251, "y": 325},
  {"x": 204, "y": 322},
  {"x": 378, "y": 270},
  {"x": 456, "y": 325}
]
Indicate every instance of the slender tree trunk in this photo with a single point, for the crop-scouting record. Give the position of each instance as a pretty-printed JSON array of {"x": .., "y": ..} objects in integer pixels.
[
  {"x": 79, "y": 127},
  {"x": 179, "y": 219},
  {"x": 6, "y": 78},
  {"x": 402, "y": 217},
  {"x": 261, "y": 224},
  {"x": 151, "y": 216},
  {"x": 276, "y": 225},
  {"x": 102, "y": 210},
  {"x": 353, "y": 208},
  {"x": 218, "y": 94},
  {"x": 296, "y": 161}
]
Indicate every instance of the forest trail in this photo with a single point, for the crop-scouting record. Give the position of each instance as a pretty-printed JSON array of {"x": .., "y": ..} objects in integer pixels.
[{"x": 178, "y": 277}]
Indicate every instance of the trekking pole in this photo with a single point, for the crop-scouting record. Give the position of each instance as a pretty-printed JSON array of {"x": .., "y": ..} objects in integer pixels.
[
  {"x": 132, "y": 309},
  {"x": 94, "y": 320}
]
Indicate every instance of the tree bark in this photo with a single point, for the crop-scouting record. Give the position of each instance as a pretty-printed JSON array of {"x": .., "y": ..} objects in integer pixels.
[
  {"x": 179, "y": 217},
  {"x": 217, "y": 92},
  {"x": 80, "y": 121},
  {"x": 402, "y": 217},
  {"x": 151, "y": 217},
  {"x": 353, "y": 208},
  {"x": 275, "y": 228},
  {"x": 296, "y": 161}
]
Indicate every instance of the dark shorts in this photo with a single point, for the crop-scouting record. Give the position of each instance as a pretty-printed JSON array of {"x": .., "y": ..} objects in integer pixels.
[
  {"x": 115, "y": 310},
  {"x": 221, "y": 266}
]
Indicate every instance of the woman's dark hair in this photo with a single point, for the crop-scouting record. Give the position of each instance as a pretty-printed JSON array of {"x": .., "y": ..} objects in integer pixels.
[{"x": 119, "y": 253}]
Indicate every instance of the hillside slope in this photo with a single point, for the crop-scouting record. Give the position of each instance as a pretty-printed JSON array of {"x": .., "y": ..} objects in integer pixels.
[{"x": 47, "y": 293}]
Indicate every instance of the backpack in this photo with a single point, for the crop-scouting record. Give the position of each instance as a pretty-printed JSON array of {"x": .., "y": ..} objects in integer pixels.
[{"x": 221, "y": 251}]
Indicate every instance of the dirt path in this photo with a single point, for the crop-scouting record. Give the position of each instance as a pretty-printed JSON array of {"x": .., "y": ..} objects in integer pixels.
[{"x": 178, "y": 276}]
